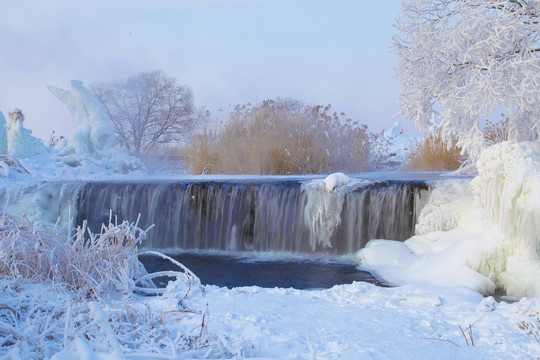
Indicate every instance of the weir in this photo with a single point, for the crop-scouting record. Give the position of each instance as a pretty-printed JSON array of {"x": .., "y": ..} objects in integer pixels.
[{"x": 257, "y": 215}]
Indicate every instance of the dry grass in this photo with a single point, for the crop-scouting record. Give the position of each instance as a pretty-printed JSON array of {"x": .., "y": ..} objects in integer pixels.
[
  {"x": 434, "y": 154},
  {"x": 284, "y": 137},
  {"x": 496, "y": 132}
]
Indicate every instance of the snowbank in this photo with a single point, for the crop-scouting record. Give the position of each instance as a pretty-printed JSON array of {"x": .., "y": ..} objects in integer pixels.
[
  {"x": 484, "y": 234},
  {"x": 20, "y": 142}
]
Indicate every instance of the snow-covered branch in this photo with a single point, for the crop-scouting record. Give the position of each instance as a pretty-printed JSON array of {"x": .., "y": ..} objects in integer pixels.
[{"x": 462, "y": 60}]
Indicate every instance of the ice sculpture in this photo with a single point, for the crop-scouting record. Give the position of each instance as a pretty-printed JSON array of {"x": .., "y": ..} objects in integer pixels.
[{"x": 93, "y": 130}]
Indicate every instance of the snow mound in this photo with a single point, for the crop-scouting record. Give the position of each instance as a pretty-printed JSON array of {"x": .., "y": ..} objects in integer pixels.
[
  {"x": 398, "y": 143},
  {"x": 334, "y": 180}
]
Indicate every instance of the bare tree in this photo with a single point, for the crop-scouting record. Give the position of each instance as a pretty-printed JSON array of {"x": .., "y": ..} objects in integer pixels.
[
  {"x": 464, "y": 60},
  {"x": 147, "y": 110}
]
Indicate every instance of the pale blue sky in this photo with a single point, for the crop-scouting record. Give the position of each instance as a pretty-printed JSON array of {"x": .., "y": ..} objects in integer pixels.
[{"x": 228, "y": 52}]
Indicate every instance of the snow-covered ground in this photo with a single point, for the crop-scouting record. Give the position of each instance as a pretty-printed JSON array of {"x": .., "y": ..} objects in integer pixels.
[
  {"x": 358, "y": 321},
  {"x": 66, "y": 298}
]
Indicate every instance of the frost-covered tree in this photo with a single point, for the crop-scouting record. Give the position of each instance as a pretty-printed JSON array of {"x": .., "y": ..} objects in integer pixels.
[
  {"x": 464, "y": 59},
  {"x": 147, "y": 110}
]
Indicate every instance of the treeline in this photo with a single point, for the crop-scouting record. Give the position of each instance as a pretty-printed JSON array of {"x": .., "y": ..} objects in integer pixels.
[{"x": 284, "y": 137}]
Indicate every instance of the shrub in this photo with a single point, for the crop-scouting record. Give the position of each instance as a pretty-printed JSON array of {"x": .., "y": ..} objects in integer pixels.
[
  {"x": 434, "y": 154},
  {"x": 284, "y": 137}
]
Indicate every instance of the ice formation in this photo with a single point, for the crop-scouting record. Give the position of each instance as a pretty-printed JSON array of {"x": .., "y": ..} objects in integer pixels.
[
  {"x": 508, "y": 189},
  {"x": 3, "y": 135},
  {"x": 20, "y": 142},
  {"x": 323, "y": 207},
  {"x": 484, "y": 234},
  {"x": 93, "y": 130}
]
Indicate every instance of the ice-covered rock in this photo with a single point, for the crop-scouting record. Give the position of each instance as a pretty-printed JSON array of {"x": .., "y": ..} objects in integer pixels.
[{"x": 12, "y": 169}]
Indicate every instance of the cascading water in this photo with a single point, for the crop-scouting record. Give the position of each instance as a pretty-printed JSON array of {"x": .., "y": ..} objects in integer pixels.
[{"x": 281, "y": 216}]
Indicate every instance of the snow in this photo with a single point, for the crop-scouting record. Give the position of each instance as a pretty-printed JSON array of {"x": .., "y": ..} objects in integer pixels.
[
  {"x": 334, "y": 180},
  {"x": 357, "y": 321},
  {"x": 484, "y": 234},
  {"x": 398, "y": 143},
  {"x": 85, "y": 299}
]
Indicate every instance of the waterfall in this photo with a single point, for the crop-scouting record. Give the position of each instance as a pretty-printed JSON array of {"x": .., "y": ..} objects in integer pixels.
[
  {"x": 243, "y": 215},
  {"x": 271, "y": 215}
]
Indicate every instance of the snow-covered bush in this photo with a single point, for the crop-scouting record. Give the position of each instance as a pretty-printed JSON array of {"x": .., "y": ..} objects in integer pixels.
[
  {"x": 285, "y": 137},
  {"x": 90, "y": 264},
  {"x": 496, "y": 132},
  {"x": 73, "y": 296}
]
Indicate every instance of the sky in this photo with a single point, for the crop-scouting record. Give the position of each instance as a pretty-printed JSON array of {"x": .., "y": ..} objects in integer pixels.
[{"x": 227, "y": 51}]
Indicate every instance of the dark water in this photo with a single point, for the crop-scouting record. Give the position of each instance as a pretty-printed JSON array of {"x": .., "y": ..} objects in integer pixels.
[{"x": 231, "y": 271}]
